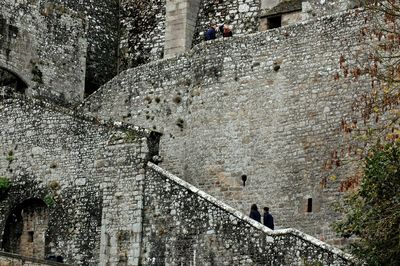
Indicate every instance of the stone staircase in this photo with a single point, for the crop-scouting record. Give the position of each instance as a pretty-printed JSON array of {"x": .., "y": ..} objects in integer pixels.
[{"x": 183, "y": 225}]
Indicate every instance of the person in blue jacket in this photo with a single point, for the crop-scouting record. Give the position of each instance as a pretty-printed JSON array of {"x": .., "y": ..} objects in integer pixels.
[
  {"x": 268, "y": 219},
  {"x": 211, "y": 32},
  {"x": 254, "y": 213}
]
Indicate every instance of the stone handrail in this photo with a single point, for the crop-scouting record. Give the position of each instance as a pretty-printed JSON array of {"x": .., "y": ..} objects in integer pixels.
[{"x": 253, "y": 223}]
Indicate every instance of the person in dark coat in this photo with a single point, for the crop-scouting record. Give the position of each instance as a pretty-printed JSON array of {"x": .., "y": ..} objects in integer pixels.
[
  {"x": 268, "y": 219},
  {"x": 211, "y": 32},
  {"x": 254, "y": 213}
]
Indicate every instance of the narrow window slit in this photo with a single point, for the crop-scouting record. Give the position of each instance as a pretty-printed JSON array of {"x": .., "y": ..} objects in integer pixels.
[{"x": 309, "y": 205}]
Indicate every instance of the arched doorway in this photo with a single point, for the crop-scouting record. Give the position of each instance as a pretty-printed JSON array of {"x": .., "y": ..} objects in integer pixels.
[
  {"x": 10, "y": 82},
  {"x": 25, "y": 229}
]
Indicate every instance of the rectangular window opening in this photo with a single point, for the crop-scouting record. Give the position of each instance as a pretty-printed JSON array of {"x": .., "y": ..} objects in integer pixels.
[
  {"x": 309, "y": 205},
  {"x": 30, "y": 236}
]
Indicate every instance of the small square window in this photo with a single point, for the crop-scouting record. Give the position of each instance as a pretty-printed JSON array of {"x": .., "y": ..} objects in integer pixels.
[{"x": 274, "y": 22}]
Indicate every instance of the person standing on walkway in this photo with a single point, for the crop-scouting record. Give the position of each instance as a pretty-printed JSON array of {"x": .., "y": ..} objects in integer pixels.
[
  {"x": 254, "y": 213},
  {"x": 211, "y": 32},
  {"x": 226, "y": 31},
  {"x": 268, "y": 219}
]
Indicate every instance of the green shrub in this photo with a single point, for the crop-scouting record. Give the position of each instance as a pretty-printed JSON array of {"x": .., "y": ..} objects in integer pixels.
[
  {"x": 4, "y": 183},
  {"x": 372, "y": 213},
  {"x": 49, "y": 200}
]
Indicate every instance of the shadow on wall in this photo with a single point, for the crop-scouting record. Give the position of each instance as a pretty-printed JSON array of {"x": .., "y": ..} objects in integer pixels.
[{"x": 11, "y": 82}]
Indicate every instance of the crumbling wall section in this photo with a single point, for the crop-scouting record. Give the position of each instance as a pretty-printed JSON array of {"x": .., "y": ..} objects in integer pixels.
[
  {"x": 191, "y": 228},
  {"x": 44, "y": 44}
]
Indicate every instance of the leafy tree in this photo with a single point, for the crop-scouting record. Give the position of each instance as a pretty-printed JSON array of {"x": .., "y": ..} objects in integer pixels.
[{"x": 373, "y": 211}]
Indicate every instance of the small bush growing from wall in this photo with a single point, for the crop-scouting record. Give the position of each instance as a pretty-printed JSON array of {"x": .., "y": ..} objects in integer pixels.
[
  {"x": 4, "y": 184},
  {"x": 49, "y": 200}
]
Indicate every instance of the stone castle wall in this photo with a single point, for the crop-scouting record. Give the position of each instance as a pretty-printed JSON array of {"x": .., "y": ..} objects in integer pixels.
[
  {"x": 143, "y": 26},
  {"x": 181, "y": 17},
  {"x": 118, "y": 35},
  {"x": 191, "y": 228},
  {"x": 241, "y": 15},
  {"x": 102, "y": 38},
  {"x": 144, "y": 35},
  {"x": 45, "y": 45},
  {"x": 142, "y": 32},
  {"x": 108, "y": 208},
  {"x": 318, "y": 8},
  {"x": 76, "y": 166},
  {"x": 103, "y": 206},
  {"x": 267, "y": 105}
]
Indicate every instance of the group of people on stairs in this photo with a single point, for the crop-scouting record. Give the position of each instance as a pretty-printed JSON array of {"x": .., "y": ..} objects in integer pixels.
[{"x": 267, "y": 219}]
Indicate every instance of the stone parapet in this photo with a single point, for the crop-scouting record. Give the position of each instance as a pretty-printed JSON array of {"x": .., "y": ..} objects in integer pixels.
[{"x": 191, "y": 227}]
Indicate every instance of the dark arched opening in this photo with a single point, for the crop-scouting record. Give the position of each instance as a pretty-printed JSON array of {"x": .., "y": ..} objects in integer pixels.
[
  {"x": 10, "y": 82},
  {"x": 25, "y": 229}
]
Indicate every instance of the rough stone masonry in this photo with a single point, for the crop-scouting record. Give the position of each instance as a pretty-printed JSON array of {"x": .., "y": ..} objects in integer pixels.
[{"x": 266, "y": 106}]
